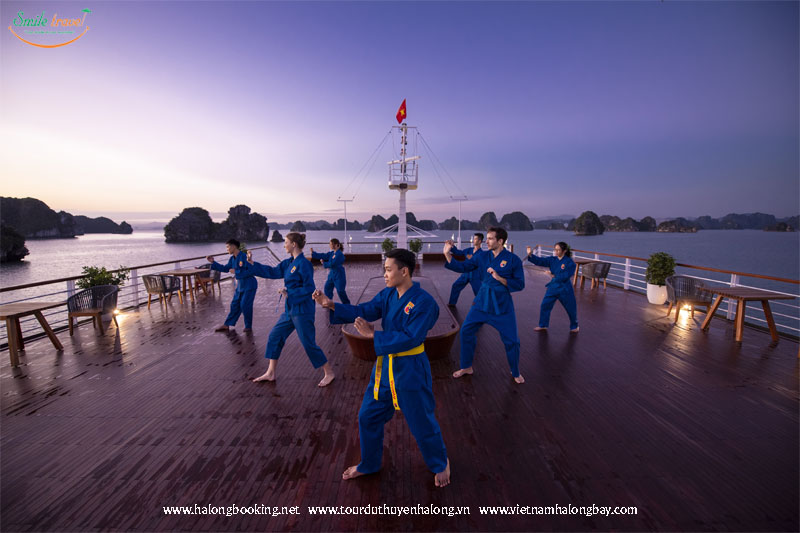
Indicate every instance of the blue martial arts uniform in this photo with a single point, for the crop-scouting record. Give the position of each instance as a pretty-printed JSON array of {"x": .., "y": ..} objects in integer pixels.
[
  {"x": 559, "y": 288},
  {"x": 493, "y": 304},
  {"x": 298, "y": 277},
  {"x": 403, "y": 362},
  {"x": 246, "y": 286},
  {"x": 471, "y": 278},
  {"x": 334, "y": 260}
]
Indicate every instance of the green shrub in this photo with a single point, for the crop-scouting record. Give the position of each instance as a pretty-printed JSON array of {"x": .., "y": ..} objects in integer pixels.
[
  {"x": 387, "y": 245},
  {"x": 415, "y": 245},
  {"x": 93, "y": 276},
  {"x": 660, "y": 266}
]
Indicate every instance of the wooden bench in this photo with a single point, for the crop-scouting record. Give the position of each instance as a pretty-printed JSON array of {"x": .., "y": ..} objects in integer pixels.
[{"x": 439, "y": 340}]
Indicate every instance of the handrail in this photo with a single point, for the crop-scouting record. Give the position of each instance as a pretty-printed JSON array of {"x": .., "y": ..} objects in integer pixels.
[
  {"x": 61, "y": 280},
  {"x": 708, "y": 269}
]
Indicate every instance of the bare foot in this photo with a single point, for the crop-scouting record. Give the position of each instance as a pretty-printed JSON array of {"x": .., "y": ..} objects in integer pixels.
[
  {"x": 222, "y": 329},
  {"x": 351, "y": 473},
  {"x": 576, "y": 330},
  {"x": 462, "y": 372},
  {"x": 442, "y": 479},
  {"x": 326, "y": 380},
  {"x": 269, "y": 375},
  {"x": 539, "y": 328},
  {"x": 519, "y": 379}
]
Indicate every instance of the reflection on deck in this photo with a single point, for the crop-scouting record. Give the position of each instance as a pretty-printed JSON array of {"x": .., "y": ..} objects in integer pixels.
[{"x": 696, "y": 431}]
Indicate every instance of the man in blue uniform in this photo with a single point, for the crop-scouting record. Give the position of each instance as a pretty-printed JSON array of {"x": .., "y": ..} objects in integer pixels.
[
  {"x": 298, "y": 279},
  {"x": 401, "y": 378},
  {"x": 501, "y": 274},
  {"x": 562, "y": 268},
  {"x": 334, "y": 260},
  {"x": 473, "y": 277},
  {"x": 246, "y": 286}
]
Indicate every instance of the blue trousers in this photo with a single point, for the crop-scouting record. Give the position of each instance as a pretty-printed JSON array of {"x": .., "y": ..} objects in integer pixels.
[
  {"x": 417, "y": 407},
  {"x": 567, "y": 299},
  {"x": 459, "y": 284},
  {"x": 505, "y": 324},
  {"x": 242, "y": 303},
  {"x": 340, "y": 285},
  {"x": 304, "y": 324}
]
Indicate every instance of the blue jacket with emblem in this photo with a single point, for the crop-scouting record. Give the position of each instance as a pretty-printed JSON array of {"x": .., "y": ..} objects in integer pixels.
[
  {"x": 242, "y": 271},
  {"x": 298, "y": 277},
  {"x": 405, "y": 323},
  {"x": 494, "y": 297},
  {"x": 562, "y": 269}
]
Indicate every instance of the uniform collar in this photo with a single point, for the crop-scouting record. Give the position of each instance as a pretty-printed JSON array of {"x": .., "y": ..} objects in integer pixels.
[{"x": 410, "y": 292}]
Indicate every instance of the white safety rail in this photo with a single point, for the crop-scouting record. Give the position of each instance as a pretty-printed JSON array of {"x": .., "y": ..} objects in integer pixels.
[
  {"x": 626, "y": 272},
  {"x": 131, "y": 295},
  {"x": 629, "y": 273}
]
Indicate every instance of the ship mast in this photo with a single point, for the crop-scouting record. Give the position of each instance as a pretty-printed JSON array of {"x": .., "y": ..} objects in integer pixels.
[{"x": 403, "y": 177}]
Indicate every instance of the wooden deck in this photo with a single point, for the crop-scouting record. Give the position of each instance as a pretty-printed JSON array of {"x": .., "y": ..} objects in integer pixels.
[{"x": 697, "y": 431}]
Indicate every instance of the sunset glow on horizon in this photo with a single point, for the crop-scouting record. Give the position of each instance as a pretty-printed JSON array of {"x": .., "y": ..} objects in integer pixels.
[{"x": 539, "y": 107}]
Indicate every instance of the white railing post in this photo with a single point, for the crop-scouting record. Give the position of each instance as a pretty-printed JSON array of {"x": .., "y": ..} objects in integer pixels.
[
  {"x": 596, "y": 257},
  {"x": 177, "y": 265},
  {"x": 538, "y": 249},
  {"x": 734, "y": 282},
  {"x": 626, "y": 284},
  {"x": 135, "y": 286},
  {"x": 70, "y": 288}
]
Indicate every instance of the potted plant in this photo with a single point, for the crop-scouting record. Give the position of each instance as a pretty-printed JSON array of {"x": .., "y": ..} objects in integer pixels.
[
  {"x": 93, "y": 276},
  {"x": 387, "y": 246},
  {"x": 415, "y": 245},
  {"x": 660, "y": 266}
]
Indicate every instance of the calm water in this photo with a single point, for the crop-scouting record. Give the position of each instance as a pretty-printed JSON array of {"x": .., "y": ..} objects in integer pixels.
[{"x": 751, "y": 251}]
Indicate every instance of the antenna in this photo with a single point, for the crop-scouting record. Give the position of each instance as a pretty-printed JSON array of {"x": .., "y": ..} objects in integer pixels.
[{"x": 345, "y": 218}]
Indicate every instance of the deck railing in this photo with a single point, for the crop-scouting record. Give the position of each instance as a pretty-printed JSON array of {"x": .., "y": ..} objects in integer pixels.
[
  {"x": 131, "y": 295},
  {"x": 628, "y": 272}
]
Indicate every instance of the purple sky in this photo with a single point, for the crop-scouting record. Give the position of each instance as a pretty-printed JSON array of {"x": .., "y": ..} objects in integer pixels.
[{"x": 626, "y": 108}]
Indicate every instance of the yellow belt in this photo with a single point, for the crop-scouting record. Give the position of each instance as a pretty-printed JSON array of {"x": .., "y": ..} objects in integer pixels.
[{"x": 413, "y": 351}]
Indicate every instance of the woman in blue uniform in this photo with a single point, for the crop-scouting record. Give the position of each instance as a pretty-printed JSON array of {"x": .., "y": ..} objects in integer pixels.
[
  {"x": 298, "y": 279},
  {"x": 401, "y": 378},
  {"x": 246, "y": 286},
  {"x": 562, "y": 268},
  {"x": 334, "y": 260}
]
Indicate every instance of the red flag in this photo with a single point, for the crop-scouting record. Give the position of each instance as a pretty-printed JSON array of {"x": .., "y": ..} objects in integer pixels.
[{"x": 401, "y": 113}]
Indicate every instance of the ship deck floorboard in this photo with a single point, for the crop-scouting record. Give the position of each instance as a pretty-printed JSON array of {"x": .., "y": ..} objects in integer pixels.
[{"x": 696, "y": 431}]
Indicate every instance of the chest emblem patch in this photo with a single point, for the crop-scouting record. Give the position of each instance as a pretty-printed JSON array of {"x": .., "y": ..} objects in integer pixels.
[
  {"x": 293, "y": 269},
  {"x": 241, "y": 264},
  {"x": 563, "y": 267},
  {"x": 503, "y": 263},
  {"x": 409, "y": 307}
]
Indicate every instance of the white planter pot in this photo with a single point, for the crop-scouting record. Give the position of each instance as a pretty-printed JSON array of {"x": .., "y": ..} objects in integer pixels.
[{"x": 656, "y": 294}]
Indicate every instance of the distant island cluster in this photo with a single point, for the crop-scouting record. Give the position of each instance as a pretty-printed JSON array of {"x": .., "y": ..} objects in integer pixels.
[{"x": 29, "y": 218}]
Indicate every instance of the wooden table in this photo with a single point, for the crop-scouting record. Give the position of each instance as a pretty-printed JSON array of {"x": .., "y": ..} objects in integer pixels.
[
  {"x": 186, "y": 274},
  {"x": 744, "y": 295},
  {"x": 578, "y": 262},
  {"x": 11, "y": 313},
  {"x": 438, "y": 341}
]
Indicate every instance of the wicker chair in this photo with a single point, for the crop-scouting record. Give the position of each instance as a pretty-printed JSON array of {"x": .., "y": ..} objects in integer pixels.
[
  {"x": 94, "y": 302},
  {"x": 213, "y": 277},
  {"x": 163, "y": 286},
  {"x": 683, "y": 290},
  {"x": 595, "y": 271}
]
